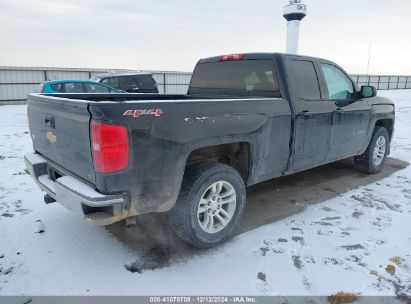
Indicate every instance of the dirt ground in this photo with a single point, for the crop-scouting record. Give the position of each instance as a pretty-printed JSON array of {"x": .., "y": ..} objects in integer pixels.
[{"x": 291, "y": 195}]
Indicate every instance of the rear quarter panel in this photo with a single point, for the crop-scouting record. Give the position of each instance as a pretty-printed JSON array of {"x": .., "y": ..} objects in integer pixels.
[{"x": 161, "y": 144}]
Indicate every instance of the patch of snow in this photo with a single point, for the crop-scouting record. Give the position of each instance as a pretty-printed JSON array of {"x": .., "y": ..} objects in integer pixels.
[
  {"x": 34, "y": 158},
  {"x": 79, "y": 187},
  {"x": 47, "y": 182}
]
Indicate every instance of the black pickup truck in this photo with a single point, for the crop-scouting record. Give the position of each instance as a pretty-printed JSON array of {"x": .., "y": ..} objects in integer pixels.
[{"x": 246, "y": 118}]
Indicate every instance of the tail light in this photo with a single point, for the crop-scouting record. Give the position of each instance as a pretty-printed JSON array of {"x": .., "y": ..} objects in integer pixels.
[
  {"x": 232, "y": 57},
  {"x": 109, "y": 147}
]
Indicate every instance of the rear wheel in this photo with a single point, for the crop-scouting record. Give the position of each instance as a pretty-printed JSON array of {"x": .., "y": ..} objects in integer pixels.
[
  {"x": 373, "y": 159},
  {"x": 210, "y": 204}
]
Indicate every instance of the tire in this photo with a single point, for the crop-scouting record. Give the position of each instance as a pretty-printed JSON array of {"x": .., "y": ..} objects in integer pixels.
[
  {"x": 369, "y": 162},
  {"x": 205, "y": 192}
]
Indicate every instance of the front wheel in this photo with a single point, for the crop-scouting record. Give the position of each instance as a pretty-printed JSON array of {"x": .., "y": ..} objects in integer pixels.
[
  {"x": 373, "y": 159},
  {"x": 210, "y": 204}
]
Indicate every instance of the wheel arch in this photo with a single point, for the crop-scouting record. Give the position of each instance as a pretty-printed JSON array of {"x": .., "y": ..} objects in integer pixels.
[
  {"x": 236, "y": 154},
  {"x": 387, "y": 123}
]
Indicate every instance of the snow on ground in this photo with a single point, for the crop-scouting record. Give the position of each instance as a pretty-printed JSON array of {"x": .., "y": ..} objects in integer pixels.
[{"x": 359, "y": 241}]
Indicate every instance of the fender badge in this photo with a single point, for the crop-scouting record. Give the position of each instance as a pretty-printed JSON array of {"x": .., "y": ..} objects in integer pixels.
[
  {"x": 51, "y": 137},
  {"x": 139, "y": 113}
]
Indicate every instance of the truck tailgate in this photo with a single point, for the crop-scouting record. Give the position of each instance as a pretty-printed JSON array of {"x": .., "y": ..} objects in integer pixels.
[{"x": 60, "y": 131}]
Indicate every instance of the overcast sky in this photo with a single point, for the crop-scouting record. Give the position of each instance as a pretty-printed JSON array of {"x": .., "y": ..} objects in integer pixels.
[{"x": 174, "y": 34}]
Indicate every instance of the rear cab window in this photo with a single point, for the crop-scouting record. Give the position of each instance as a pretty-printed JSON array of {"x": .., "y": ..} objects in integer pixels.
[{"x": 254, "y": 78}]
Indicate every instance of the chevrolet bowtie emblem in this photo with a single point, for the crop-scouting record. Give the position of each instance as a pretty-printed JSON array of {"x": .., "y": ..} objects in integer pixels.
[{"x": 51, "y": 137}]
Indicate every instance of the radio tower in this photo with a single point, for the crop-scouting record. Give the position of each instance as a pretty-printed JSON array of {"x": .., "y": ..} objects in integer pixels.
[{"x": 294, "y": 13}]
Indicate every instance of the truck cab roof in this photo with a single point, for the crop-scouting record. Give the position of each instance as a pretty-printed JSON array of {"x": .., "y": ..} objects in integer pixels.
[{"x": 121, "y": 73}]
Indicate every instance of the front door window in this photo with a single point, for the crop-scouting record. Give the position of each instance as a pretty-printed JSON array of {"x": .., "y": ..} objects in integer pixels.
[{"x": 339, "y": 85}]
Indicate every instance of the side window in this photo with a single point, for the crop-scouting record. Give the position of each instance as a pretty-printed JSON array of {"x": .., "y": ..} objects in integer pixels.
[
  {"x": 73, "y": 87},
  {"x": 145, "y": 82},
  {"x": 112, "y": 82},
  {"x": 127, "y": 83},
  {"x": 305, "y": 79},
  {"x": 338, "y": 84},
  {"x": 96, "y": 88},
  {"x": 56, "y": 87}
]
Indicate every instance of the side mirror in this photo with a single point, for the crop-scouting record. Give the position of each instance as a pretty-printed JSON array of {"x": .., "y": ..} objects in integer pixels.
[{"x": 368, "y": 91}]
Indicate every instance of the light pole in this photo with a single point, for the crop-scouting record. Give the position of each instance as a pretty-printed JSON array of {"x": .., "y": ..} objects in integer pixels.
[{"x": 294, "y": 13}]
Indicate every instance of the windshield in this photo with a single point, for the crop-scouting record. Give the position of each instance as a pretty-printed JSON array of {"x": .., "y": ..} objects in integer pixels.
[{"x": 95, "y": 78}]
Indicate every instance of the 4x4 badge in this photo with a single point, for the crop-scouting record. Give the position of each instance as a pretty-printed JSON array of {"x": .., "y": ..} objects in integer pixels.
[{"x": 138, "y": 113}]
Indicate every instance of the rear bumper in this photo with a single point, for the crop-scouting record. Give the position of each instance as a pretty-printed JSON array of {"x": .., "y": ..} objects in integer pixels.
[{"x": 77, "y": 196}]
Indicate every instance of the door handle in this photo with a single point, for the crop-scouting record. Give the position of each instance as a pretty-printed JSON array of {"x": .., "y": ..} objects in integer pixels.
[
  {"x": 49, "y": 121},
  {"x": 339, "y": 111},
  {"x": 305, "y": 114}
]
